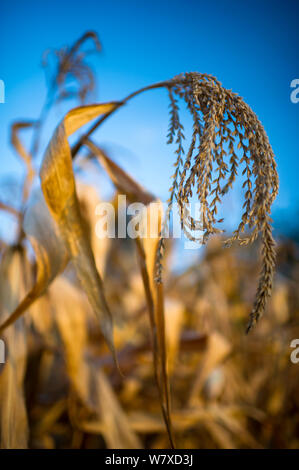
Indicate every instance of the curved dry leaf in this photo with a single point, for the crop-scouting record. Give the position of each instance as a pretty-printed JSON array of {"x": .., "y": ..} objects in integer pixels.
[
  {"x": 35, "y": 226},
  {"x": 174, "y": 320},
  {"x": 147, "y": 249},
  {"x": 123, "y": 182},
  {"x": 58, "y": 186},
  {"x": 218, "y": 348},
  {"x": 22, "y": 152},
  {"x": 51, "y": 255},
  {"x": 13, "y": 416},
  {"x": 55, "y": 241},
  {"x": 41, "y": 317},
  {"x": 113, "y": 424},
  {"x": 88, "y": 380},
  {"x": 89, "y": 199},
  {"x": 70, "y": 317}
]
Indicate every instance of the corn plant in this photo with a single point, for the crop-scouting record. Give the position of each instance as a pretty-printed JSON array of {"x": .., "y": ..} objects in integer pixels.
[{"x": 226, "y": 136}]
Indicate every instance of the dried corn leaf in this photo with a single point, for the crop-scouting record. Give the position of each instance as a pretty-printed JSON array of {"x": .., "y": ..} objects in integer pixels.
[
  {"x": 147, "y": 247},
  {"x": 70, "y": 317},
  {"x": 51, "y": 255},
  {"x": 218, "y": 348},
  {"x": 22, "y": 152},
  {"x": 123, "y": 182},
  {"x": 58, "y": 185},
  {"x": 13, "y": 416},
  {"x": 89, "y": 200},
  {"x": 174, "y": 316},
  {"x": 114, "y": 424}
]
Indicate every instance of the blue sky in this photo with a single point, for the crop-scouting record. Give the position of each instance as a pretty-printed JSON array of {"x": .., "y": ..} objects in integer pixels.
[{"x": 250, "y": 46}]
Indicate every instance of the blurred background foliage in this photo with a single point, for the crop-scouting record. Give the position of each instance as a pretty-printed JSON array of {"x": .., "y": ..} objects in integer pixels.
[{"x": 59, "y": 387}]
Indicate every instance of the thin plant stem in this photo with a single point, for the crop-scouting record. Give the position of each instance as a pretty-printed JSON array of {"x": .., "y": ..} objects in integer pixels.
[{"x": 83, "y": 138}]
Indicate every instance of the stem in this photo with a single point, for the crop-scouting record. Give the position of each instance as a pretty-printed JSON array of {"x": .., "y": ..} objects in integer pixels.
[
  {"x": 11, "y": 210},
  {"x": 83, "y": 138}
]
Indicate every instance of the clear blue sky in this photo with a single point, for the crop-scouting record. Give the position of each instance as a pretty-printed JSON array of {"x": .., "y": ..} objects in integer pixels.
[{"x": 250, "y": 46}]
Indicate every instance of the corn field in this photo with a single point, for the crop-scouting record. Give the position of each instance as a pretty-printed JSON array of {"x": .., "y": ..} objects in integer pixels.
[{"x": 106, "y": 346}]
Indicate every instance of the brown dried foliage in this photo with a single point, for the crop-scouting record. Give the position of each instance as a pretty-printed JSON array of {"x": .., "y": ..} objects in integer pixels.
[{"x": 65, "y": 359}]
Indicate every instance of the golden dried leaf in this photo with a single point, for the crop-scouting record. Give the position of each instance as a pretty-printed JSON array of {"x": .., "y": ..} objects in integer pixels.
[
  {"x": 13, "y": 415},
  {"x": 51, "y": 255},
  {"x": 123, "y": 182},
  {"x": 218, "y": 348},
  {"x": 114, "y": 424},
  {"x": 67, "y": 235},
  {"x": 58, "y": 185},
  {"x": 22, "y": 152},
  {"x": 147, "y": 248},
  {"x": 70, "y": 316},
  {"x": 89, "y": 200}
]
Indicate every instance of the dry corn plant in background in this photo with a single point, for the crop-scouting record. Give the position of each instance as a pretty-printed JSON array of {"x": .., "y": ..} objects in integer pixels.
[{"x": 58, "y": 387}]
